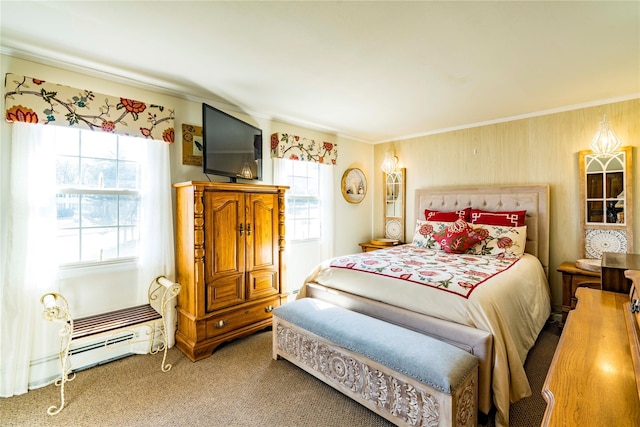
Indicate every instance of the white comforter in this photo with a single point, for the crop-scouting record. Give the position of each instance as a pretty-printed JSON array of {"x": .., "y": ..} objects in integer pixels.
[{"x": 512, "y": 305}]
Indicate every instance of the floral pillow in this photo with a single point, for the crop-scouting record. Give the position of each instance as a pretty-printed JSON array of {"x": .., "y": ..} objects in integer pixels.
[
  {"x": 451, "y": 216},
  {"x": 423, "y": 236},
  {"x": 458, "y": 237},
  {"x": 500, "y": 240}
]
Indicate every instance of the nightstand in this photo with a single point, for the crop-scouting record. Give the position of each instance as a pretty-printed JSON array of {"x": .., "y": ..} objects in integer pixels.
[
  {"x": 613, "y": 268},
  {"x": 573, "y": 278},
  {"x": 372, "y": 246}
]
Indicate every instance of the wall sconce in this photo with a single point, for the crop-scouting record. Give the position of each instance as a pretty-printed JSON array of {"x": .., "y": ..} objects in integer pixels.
[
  {"x": 605, "y": 140},
  {"x": 389, "y": 163}
]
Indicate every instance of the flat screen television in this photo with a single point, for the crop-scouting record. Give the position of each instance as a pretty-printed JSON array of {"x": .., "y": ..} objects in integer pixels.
[{"x": 230, "y": 147}]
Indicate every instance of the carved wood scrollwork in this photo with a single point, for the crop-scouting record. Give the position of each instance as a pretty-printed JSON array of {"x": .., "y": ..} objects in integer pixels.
[{"x": 415, "y": 406}]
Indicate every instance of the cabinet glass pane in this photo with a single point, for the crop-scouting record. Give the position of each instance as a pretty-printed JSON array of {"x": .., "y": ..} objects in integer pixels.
[
  {"x": 615, "y": 163},
  {"x": 615, "y": 211},
  {"x": 593, "y": 164},
  {"x": 594, "y": 186},
  {"x": 595, "y": 211},
  {"x": 615, "y": 184}
]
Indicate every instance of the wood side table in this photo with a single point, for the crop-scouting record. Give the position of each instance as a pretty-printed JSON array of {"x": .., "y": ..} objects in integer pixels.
[
  {"x": 613, "y": 268},
  {"x": 371, "y": 246},
  {"x": 572, "y": 279}
]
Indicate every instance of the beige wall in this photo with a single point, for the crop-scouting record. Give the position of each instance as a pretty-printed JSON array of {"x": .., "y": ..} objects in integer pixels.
[
  {"x": 538, "y": 150},
  {"x": 535, "y": 150},
  {"x": 352, "y": 223}
]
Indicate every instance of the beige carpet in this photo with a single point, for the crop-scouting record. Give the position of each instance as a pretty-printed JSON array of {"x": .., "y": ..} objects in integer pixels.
[{"x": 239, "y": 385}]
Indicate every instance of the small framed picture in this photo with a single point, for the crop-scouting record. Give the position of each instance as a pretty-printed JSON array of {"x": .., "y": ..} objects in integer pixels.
[
  {"x": 354, "y": 185},
  {"x": 191, "y": 145}
]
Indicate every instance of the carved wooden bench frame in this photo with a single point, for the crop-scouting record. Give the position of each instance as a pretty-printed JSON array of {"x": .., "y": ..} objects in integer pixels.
[{"x": 400, "y": 399}]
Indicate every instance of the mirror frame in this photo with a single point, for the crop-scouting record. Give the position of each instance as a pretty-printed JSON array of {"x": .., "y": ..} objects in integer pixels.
[
  {"x": 353, "y": 185},
  {"x": 597, "y": 237},
  {"x": 391, "y": 222}
]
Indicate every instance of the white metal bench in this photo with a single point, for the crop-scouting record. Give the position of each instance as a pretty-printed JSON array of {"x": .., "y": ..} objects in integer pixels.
[{"x": 110, "y": 325}]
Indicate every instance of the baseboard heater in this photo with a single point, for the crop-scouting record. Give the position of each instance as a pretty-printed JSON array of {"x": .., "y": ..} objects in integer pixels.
[
  {"x": 101, "y": 345},
  {"x": 95, "y": 353}
]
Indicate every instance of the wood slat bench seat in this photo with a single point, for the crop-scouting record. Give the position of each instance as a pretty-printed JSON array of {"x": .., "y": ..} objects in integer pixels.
[
  {"x": 409, "y": 378},
  {"x": 105, "y": 322}
]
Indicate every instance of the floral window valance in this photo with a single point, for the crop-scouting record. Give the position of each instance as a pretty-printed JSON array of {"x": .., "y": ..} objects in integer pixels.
[
  {"x": 293, "y": 147},
  {"x": 37, "y": 101}
]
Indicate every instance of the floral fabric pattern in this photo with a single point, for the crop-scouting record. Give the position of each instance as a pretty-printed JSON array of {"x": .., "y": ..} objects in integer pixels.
[
  {"x": 32, "y": 100},
  {"x": 293, "y": 147},
  {"x": 426, "y": 231},
  {"x": 500, "y": 240},
  {"x": 459, "y": 237},
  {"x": 453, "y": 273}
]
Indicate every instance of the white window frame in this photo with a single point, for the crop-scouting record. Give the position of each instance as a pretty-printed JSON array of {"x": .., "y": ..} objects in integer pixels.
[
  {"x": 79, "y": 190},
  {"x": 309, "y": 196}
]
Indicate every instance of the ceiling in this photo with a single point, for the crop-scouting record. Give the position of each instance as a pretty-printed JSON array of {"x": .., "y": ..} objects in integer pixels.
[{"x": 372, "y": 71}]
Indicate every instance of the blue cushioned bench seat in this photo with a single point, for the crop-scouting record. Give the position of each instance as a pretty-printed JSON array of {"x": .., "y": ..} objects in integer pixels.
[{"x": 343, "y": 348}]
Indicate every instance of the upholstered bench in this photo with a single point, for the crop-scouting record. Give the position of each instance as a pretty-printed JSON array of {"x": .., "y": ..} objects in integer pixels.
[{"x": 404, "y": 376}]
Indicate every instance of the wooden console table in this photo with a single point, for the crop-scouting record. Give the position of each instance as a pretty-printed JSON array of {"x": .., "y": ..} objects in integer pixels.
[
  {"x": 591, "y": 381},
  {"x": 613, "y": 267}
]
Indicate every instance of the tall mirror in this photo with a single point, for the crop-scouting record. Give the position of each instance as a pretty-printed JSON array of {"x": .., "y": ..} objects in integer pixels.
[
  {"x": 394, "y": 204},
  {"x": 606, "y": 193}
]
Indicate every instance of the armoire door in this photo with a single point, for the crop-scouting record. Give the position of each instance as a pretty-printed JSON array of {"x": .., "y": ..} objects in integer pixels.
[
  {"x": 224, "y": 243},
  {"x": 262, "y": 256}
]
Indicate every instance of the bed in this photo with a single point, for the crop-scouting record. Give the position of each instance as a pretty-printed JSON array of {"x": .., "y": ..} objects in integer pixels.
[{"x": 493, "y": 306}]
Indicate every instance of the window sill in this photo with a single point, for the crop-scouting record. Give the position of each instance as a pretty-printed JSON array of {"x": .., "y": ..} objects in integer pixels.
[{"x": 78, "y": 270}]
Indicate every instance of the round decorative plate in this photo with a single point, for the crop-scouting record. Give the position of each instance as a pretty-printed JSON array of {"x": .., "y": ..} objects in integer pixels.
[
  {"x": 599, "y": 241},
  {"x": 393, "y": 229}
]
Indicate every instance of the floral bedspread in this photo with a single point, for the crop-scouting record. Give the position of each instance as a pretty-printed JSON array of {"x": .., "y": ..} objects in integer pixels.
[{"x": 458, "y": 274}]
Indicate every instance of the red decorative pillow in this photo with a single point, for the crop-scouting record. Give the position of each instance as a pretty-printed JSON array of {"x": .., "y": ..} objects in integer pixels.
[
  {"x": 451, "y": 216},
  {"x": 504, "y": 218},
  {"x": 458, "y": 237}
]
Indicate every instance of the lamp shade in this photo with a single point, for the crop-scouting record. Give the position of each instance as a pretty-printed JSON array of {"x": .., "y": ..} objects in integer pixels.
[
  {"x": 605, "y": 140},
  {"x": 246, "y": 171},
  {"x": 389, "y": 163}
]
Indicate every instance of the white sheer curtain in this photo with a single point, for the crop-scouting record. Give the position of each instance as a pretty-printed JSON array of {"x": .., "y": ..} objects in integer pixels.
[
  {"x": 29, "y": 268},
  {"x": 328, "y": 210},
  {"x": 309, "y": 253},
  {"x": 156, "y": 251}
]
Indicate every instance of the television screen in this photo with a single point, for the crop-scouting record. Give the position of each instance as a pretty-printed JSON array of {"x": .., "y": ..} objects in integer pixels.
[{"x": 231, "y": 147}]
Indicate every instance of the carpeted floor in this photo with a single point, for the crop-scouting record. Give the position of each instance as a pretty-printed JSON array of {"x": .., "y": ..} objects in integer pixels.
[{"x": 239, "y": 385}]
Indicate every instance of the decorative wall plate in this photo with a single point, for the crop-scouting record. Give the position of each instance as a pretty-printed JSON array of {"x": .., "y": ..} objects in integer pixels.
[
  {"x": 354, "y": 185},
  {"x": 598, "y": 241},
  {"x": 393, "y": 229}
]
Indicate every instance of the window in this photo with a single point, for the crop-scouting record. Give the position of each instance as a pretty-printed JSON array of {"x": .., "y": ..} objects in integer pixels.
[
  {"x": 303, "y": 200},
  {"x": 98, "y": 178}
]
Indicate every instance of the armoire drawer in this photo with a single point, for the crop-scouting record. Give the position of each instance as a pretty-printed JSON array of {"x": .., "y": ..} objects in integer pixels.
[{"x": 243, "y": 315}]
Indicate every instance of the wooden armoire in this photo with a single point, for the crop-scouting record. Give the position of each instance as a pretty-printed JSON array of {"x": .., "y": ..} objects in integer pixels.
[{"x": 229, "y": 262}]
